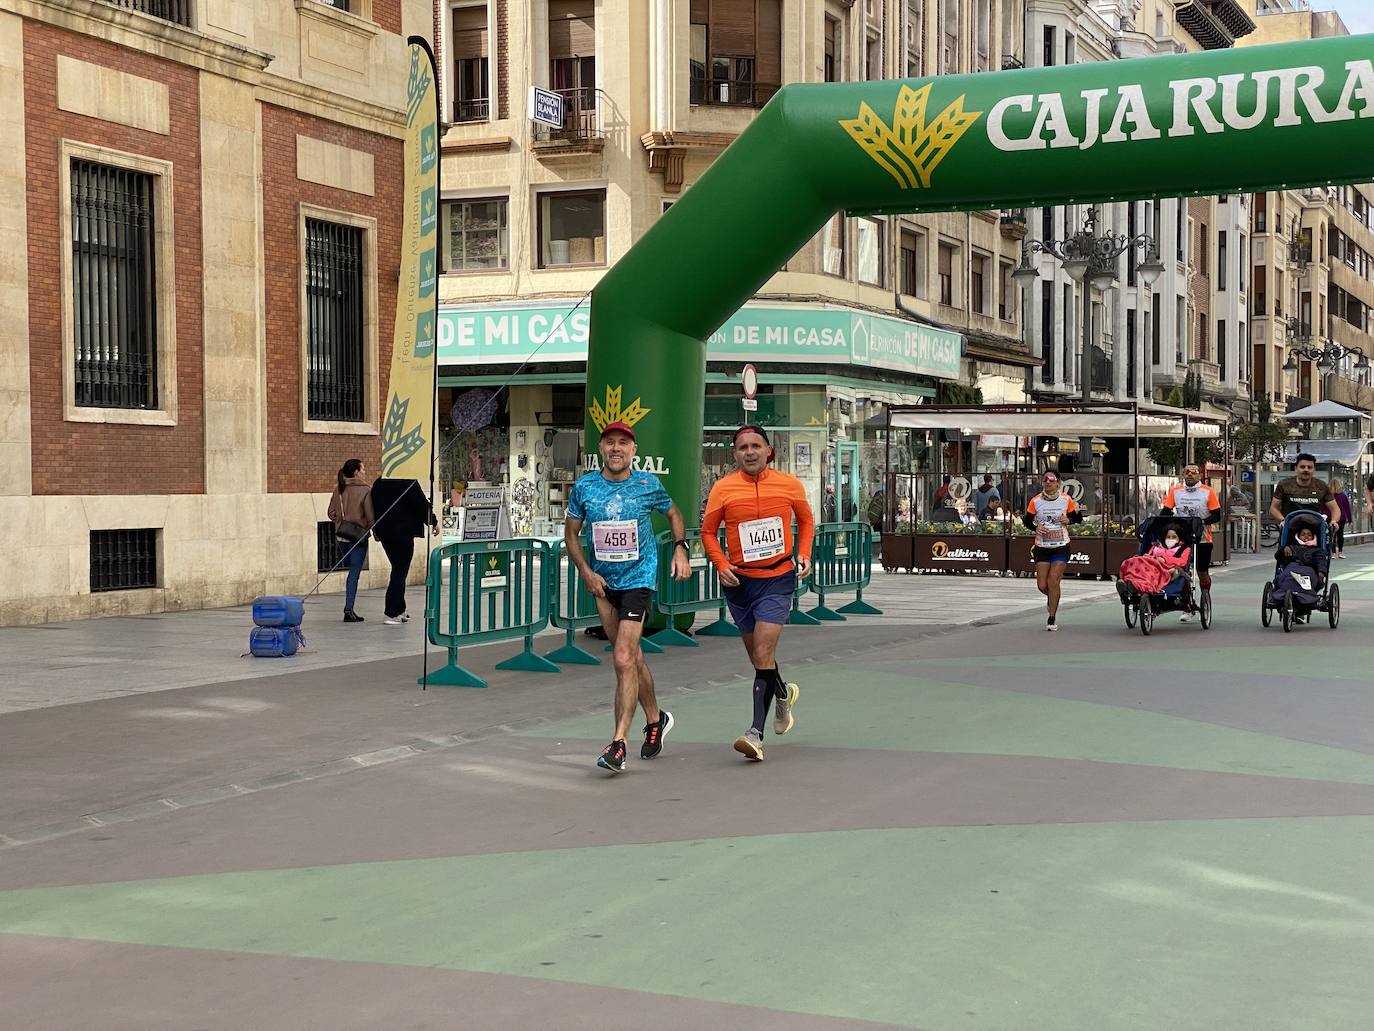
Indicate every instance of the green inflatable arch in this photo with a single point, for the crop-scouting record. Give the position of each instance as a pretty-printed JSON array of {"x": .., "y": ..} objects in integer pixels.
[{"x": 1221, "y": 122}]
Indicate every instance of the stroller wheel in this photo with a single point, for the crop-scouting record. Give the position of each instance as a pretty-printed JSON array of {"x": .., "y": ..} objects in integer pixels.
[
  {"x": 1333, "y": 606},
  {"x": 1287, "y": 615},
  {"x": 1204, "y": 609},
  {"x": 1266, "y": 606},
  {"x": 1147, "y": 615},
  {"x": 1128, "y": 610}
]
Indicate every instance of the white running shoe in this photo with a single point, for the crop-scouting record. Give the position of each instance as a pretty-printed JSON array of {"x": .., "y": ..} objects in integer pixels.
[
  {"x": 394, "y": 620},
  {"x": 783, "y": 720},
  {"x": 1187, "y": 617}
]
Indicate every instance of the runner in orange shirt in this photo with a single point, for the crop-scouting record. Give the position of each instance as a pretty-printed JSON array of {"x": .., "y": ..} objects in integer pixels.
[
  {"x": 1195, "y": 499},
  {"x": 757, "y": 505}
]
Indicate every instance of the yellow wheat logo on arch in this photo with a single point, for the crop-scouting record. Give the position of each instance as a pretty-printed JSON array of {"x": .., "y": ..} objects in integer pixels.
[
  {"x": 910, "y": 150},
  {"x": 604, "y": 415}
]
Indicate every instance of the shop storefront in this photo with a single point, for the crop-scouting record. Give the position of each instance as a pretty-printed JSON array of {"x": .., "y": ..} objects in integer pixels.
[{"x": 826, "y": 376}]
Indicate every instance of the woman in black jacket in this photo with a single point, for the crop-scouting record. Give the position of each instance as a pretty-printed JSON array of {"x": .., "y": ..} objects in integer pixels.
[{"x": 403, "y": 512}]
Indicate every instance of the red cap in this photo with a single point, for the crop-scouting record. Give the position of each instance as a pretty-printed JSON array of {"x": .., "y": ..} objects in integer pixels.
[{"x": 622, "y": 427}]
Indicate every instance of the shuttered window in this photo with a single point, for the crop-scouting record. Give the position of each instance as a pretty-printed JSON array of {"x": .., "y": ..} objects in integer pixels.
[
  {"x": 736, "y": 51},
  {"x": 334, "y": 257},
  {"x": 114, "y": 296},
  {"x": 572, "y": 28},
  {"x": 471, "y": 60}
]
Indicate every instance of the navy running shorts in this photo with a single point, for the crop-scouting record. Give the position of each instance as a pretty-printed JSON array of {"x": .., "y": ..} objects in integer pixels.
[{"x": 761, "y": 599}]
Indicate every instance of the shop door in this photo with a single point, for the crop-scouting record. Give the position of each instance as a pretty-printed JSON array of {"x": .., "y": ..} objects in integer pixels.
[{"x": 846, "y": 470}]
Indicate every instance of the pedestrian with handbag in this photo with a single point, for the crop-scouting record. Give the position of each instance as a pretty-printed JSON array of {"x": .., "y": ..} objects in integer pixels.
[{"x": 350, "y": 510}]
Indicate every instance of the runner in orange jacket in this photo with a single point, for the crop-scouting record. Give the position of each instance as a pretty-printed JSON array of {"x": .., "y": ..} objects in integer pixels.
[{"x": 757, "y": 505}]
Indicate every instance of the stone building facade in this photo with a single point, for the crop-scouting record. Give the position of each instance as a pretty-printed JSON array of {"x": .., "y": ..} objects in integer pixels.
[{"x": 162, "y": 171}]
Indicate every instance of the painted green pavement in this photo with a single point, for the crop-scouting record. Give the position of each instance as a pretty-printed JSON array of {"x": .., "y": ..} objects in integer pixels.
[
  {"x": 1228, "y": 924},
  {"x": 1332, "y": 659},
  {"x": 846, "y": 708}
]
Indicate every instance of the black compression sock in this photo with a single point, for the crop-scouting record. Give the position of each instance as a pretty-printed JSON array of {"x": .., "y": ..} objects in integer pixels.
[
  {"x": 779, "y": 687},
  {"x": 763, "y": 695}
]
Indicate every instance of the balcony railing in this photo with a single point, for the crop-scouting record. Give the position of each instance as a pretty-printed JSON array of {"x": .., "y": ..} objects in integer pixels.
[
  {"x": 176, "y": 11},
  {"x": 732, "y": 92},
  {"x": 581, "y": 121},
  {"x": 474, "y": 109},
  {"x": 1010, "y": 62}
]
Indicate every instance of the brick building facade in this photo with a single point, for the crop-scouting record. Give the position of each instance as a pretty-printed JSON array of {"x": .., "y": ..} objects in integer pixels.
[{"x": 201, "y": 207}]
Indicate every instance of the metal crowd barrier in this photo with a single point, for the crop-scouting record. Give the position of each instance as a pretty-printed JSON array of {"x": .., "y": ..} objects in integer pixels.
[
  {"x": 797, "y": 617},
  {"x": 497, "y": 591},
  {"x": 700, "y": 592},
  {"x": 842, "y": 561},
  {"x": 571, "y": 608}
]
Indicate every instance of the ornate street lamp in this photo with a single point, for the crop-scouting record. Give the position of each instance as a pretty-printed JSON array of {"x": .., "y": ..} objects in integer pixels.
[
  {"x": 1327, "y": 357},
  {"x": 1091, "y": 261}
]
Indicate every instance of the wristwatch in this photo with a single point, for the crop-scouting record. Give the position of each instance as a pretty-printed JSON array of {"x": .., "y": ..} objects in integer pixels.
[{"x": 682, "y": 544}]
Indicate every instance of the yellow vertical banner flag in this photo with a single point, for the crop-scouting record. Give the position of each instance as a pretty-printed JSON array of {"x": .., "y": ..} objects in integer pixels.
[{"x": 408, "y": 427}]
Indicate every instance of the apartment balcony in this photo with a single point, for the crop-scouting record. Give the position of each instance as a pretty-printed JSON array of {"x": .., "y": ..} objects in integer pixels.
[
  {"x": 721, "y": 92},
  {"x": 1011, "y": 62},
  {"x": 178, "y": 12},
  {"x": 475, "y": 109},
  {"x": 580, "y": 133},
  {"x": 1013, "y": 224},
  {"x": 1215, "y": 24}
]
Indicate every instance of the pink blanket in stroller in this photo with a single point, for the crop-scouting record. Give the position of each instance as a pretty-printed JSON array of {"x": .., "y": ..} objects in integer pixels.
[{"x": 1149, "y": 574}]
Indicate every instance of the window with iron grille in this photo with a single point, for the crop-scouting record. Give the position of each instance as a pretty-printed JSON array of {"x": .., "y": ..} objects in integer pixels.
[
  {"x": 328, "y": 554},
  {"x": 334, "y": 257},
  {"x": 123, "y": 560},
  {"x": 339, "y": 5},
  {"x": 114, "y": 296}
]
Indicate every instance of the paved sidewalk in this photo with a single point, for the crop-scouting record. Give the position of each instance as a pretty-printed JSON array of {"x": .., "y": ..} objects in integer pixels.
[{"x": 87, "y": 660}]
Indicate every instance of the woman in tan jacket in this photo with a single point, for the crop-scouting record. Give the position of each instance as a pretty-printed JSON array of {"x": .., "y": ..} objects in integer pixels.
[{"x": 350, "y": 510}]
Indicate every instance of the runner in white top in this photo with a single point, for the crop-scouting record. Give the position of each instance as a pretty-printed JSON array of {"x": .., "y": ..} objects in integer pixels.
[{"x": 1049, "y": 514}]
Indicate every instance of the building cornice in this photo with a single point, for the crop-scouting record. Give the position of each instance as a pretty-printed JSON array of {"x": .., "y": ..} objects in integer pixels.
[{"x": 136, "y": 30}]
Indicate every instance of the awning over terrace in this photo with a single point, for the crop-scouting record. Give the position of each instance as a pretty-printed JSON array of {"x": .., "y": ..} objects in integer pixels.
[{"x": 1063, "y": 421}]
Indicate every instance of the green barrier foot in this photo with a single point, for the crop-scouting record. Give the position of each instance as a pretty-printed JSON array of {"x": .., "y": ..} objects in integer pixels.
[
  {"x": 821, "y": 612},
  {"x": 860, "y": 607},
  {"x": 572, "y": 655},
  {"x": 674, "y": 637},
  {"x": 452, "y": 676},
  {"x": 646, "y": 645},
  {"x": 720, "y": 628},
  {"x": 800, "y": 618},
  {"x": 528, "y": 662}
]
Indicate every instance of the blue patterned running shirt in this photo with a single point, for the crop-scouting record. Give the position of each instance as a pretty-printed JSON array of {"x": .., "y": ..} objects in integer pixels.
[{"x": 619, "y": 537}]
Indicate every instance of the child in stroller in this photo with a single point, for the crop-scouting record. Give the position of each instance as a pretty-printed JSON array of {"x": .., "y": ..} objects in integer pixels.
[
  {"x": 1303, "y": 563},
  {"x": 1162, "y": 576}
]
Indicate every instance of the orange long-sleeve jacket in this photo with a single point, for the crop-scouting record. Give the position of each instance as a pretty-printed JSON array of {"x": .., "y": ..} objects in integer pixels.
[{"x": 757, "y": 505}]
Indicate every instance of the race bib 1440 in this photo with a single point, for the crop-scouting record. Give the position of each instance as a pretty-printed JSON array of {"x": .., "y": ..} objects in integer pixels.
[
  {"x": 616, "y": 540},
  {"x": 761, "y": 539}
]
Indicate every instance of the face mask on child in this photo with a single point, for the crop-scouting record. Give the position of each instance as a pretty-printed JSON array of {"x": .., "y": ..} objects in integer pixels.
[{"x": 1171, "y": 541}]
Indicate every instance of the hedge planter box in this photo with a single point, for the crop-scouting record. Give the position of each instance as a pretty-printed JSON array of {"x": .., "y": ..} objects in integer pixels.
[
  {"x": 898, "y": 551},
  {"x": 1086, "y": 556},
  {"x": 961, "y": 552},
  {"x": 1119, "y": 549}
]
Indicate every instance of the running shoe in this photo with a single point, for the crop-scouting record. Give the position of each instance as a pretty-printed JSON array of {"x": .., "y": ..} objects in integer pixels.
[
  {"x": 654, "y": 733},
  {"x": 750, "y": 745},
  {"x": 1187, "y": 617},
  {"x": 782, "y": 711},
  {"x": 1051, "y": 625},
  {"x": 393, "y": 621},
  {"x": 613, "y": 758}
]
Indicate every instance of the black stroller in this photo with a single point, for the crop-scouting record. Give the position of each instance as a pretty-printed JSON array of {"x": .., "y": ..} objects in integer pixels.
[
  {"x": 1181, "y": 594},
  {"x": 1300, "y": 588}
]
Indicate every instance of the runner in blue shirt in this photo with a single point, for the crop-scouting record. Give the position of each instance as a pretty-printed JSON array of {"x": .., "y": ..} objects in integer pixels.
[{"x": 623, "y": 574}]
